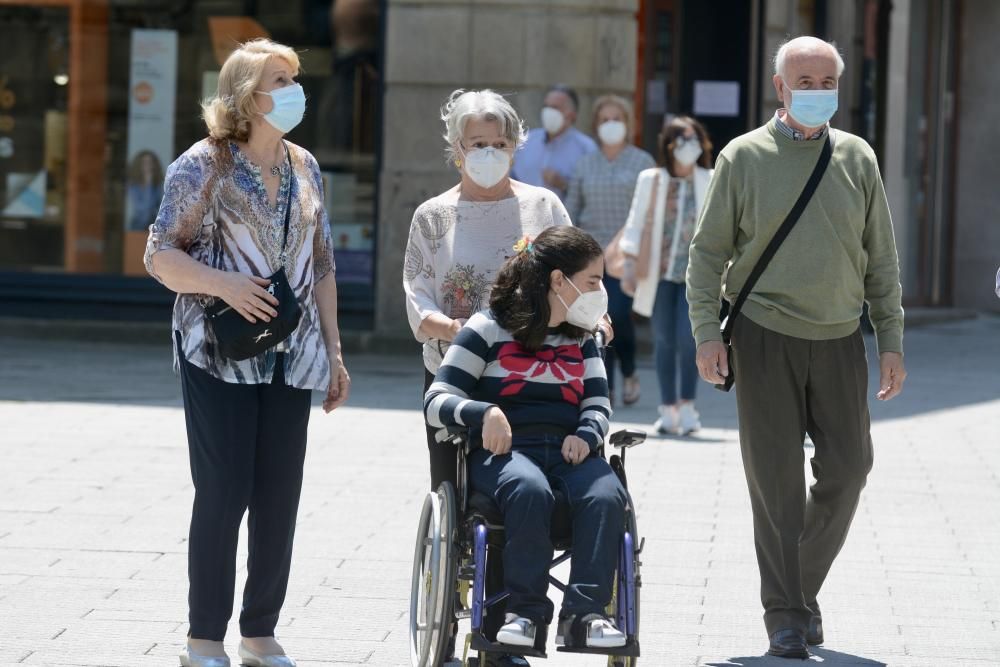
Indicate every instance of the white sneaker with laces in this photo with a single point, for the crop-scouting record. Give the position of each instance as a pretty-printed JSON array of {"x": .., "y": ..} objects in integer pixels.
[
  {"x": 517, "y": 631},
  {"x": 667, "y": 422},
  {"x": 601, "y": 633},
  {"x": 688, "y": 419}
]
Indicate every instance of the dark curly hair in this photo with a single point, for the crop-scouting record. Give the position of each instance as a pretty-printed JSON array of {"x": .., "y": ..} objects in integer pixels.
[{"x": 519, "y": 300}]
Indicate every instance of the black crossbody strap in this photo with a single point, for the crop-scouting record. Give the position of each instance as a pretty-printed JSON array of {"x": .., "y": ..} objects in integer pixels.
[
  {"x": 288, "y": 201},
  {"x": 782, "y": 233}
]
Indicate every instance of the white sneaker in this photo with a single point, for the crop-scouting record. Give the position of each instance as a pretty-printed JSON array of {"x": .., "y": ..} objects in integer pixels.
[
  {"x": 668, "y": 421},
  {"x": 517, "y": 631},
  {"x": 601, "y": 633},
  {"x": 688, "y": 419}
]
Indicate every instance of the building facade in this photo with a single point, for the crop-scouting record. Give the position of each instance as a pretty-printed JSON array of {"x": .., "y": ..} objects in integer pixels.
[{"x": 88, "y": 126}]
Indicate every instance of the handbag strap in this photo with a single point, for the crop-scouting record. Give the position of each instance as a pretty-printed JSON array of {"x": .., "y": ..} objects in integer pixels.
[
  {"x": 288, "y": 200},
  {"x": 780, "y": 235}
]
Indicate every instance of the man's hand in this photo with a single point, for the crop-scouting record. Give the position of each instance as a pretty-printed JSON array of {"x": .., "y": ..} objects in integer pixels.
[
  {"x": 713, "y": 363},
  {"x": 340, "y": 386},
  {"x": 554, "y": 180},
  {"x": 496, "y": 431},
  {"x": 891, "y": 375},
  {"x": 575, "y": 450}
]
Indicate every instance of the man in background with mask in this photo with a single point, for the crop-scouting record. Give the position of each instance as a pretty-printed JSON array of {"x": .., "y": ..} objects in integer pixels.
[
  {"x": 797, "y": 348},
  {"x": 550, "y": 154}
]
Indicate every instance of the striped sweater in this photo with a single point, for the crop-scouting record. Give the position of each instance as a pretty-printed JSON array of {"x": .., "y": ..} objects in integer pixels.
[{"x": 560, "y": 388}]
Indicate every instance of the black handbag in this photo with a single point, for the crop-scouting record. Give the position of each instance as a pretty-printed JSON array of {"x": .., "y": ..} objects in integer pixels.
[
  {"x": 236, "y": 337},
  {"x": 779, "y": 236}
]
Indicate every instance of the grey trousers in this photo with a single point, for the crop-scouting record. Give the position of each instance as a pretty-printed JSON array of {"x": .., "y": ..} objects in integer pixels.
[{"x": 787, "y": 387}]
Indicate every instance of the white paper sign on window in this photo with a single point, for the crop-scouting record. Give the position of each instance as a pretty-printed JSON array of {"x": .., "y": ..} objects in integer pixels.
[{"x": 717, "y": 98}]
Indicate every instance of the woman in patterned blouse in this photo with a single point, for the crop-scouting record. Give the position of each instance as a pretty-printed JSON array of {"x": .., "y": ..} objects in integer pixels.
[
  {"x": 219, "y": 231},
  {"x": 600, "y": 193}
]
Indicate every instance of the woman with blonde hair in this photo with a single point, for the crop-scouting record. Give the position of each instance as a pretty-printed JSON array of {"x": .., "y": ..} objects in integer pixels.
[
  {"x": 242, "y": 220},
  {"x": 600, "y": 193}
]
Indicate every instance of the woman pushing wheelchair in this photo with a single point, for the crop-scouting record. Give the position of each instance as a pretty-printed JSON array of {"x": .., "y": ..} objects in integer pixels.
[{"x": 527, "y": 378}]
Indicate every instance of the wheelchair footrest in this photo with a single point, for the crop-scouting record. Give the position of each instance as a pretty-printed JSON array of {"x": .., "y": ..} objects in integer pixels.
[
  {"x": 480, "y": 643},
  {"x": 630, "y": 650}
]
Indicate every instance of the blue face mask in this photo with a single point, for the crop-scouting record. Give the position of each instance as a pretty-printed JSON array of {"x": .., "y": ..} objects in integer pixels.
[
  {"x": 289, "y": 107},
  {"x": 813, "y": 108}
]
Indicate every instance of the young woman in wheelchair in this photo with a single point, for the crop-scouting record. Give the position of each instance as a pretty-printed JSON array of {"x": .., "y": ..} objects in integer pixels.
[{"x": 527, "y": 378}]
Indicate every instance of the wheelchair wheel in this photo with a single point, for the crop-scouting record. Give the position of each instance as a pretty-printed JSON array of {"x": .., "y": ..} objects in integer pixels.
[
  {"x": 432, "y": 589},
  {"x": 618, "y": 660}
]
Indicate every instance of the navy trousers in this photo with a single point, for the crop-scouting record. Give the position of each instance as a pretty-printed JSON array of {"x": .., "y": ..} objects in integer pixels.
[
  {"x": 247, "y": 445},
  {"x": 522, "y": 483}
]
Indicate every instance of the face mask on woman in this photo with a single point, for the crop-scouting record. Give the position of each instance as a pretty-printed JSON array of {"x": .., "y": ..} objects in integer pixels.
[
  {"x": 289, "y": 107},
  {"x": 486, "y": 166},
  {"x": 588, "y": 309},
  {"x": 688, "y": 152},
  {"x": 612, "y": 132}
]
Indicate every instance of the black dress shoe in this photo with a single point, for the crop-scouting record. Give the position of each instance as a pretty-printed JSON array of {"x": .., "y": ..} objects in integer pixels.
[
  {"x": 789, "y": 643},
  {"x": 814, "y": 635},
  {"x": 504, "y": 660}
]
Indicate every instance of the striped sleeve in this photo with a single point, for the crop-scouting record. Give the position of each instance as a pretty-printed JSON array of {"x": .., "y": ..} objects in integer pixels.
[
  {"x": 595, "y": 409},
  {"x": 447, "y": 401}
]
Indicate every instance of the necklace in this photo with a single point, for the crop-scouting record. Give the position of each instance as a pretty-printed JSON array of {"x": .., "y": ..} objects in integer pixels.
[{"x": 275, "y": 170}]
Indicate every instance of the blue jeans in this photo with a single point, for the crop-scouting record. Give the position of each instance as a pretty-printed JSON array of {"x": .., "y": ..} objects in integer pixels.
[
  {"x": 622, "y": 348},
  {"x": 521, "y": 482},
  {"x": 674, "y": 343}
]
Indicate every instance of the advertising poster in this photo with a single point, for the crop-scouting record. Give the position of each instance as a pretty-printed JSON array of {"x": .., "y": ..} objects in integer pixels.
[{"x": 152, "y": 93}]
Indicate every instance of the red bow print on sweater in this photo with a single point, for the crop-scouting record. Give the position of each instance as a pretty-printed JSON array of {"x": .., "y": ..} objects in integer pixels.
[{"x": 564, "y": 363}]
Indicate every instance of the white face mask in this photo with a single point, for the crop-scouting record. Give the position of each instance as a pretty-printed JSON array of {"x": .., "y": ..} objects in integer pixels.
[
  {"x": 486, "y": 166},
  {"x": 588, "y": 309},
  {"x": 688, "y": 152},
  {"x": 552, "y": 120},
  {"x": 612, "y": 132}
]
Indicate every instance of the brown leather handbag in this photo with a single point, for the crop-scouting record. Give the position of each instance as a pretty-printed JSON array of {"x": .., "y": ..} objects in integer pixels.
[{"x": 614, "y": 258}]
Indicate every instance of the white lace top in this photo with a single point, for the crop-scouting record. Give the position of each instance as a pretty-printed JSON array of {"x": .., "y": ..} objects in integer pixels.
[{"x": 456, "y": 248}]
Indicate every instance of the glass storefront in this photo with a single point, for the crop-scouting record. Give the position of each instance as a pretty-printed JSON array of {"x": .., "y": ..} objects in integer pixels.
[{"x": 125, "y": 77}]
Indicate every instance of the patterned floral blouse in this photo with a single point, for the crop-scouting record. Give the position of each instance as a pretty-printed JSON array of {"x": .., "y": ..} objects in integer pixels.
[
  {"x": 676, "y": 248},
  {"x": 216, "y": 209},
  {"x": 456, "y": 248}
]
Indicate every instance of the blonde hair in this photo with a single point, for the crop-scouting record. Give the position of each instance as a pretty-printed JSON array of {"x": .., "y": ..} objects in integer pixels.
[
  {"x": 463, "y": 105},
  {"x": 617, "y": 101},
  {"x": 229, "y": 113}
]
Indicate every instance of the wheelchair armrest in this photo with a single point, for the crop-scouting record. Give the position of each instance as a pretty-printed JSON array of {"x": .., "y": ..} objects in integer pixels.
[
  {"x": 452, "y": 435},
  {"x": 626, "y": 438}
]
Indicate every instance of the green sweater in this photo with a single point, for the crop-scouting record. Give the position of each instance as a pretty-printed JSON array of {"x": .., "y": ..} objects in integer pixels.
[{"x": 840, "y": 253}]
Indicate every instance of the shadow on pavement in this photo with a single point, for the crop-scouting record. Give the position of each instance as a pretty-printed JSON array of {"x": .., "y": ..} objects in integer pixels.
[{"x": 822, "y": 656}]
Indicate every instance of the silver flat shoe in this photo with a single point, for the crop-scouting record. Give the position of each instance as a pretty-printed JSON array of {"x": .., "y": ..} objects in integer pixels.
[
  {"x": 191, "y": 659},
  {"x": 251, "y": 659}
]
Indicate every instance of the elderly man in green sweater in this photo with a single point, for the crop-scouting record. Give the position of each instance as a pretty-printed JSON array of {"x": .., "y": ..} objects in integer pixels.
[{"x": 798, "y": 352}]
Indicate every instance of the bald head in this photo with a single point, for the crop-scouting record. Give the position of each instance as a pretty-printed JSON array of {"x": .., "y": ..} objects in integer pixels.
[{"x": 807, "y": 49}]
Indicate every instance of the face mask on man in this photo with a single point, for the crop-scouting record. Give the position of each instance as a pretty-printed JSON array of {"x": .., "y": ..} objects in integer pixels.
[
  {"x": 552, "y": 120},
  {"x": 687, "y": 150},
  {"x": 289, "y": 107},
  {"x": 812, "y": 108},
  {"x": 486, "y": 166},
  {"x": 612, "y": 132},
  {"x": 588, "y": 309}
]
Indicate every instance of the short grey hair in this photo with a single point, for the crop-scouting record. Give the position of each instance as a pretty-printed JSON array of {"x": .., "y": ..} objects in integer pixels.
[
  {"x": 805, "y": 41},
  {"x": 463, "y": 105}
]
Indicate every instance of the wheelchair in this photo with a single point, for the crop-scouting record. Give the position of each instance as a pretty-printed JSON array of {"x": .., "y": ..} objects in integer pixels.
[{"x": 461, "y": 530}]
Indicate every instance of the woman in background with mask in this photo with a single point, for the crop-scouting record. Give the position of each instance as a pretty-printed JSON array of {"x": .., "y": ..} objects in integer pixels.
[
  {"x": 656, "y": 240},
  {"x": 527, "y": 378},
  {"x": 238, "y": 206},
  {"x": 598, "y": 202}
]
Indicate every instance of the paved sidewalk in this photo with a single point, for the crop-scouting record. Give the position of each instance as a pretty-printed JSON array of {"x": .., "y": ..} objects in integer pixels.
[{"x": 96, "y": 496}]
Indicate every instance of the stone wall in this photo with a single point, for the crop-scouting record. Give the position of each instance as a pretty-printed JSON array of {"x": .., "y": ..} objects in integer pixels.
[{"x": 514, "y": 47}]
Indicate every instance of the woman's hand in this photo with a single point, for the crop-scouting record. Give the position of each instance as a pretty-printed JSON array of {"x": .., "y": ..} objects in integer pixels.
[
  {"x": 629, "y": 281},
  {"x": 340, "y": 385},
  {"x": 247, "y": 295},
  {"x": 456, "y": 326},
  {"x": 575, "y": 450},
  {"x": 496, "y": 431}
]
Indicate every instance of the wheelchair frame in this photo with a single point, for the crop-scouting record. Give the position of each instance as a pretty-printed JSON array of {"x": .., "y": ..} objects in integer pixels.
[{"x": 451, "y": 556}]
